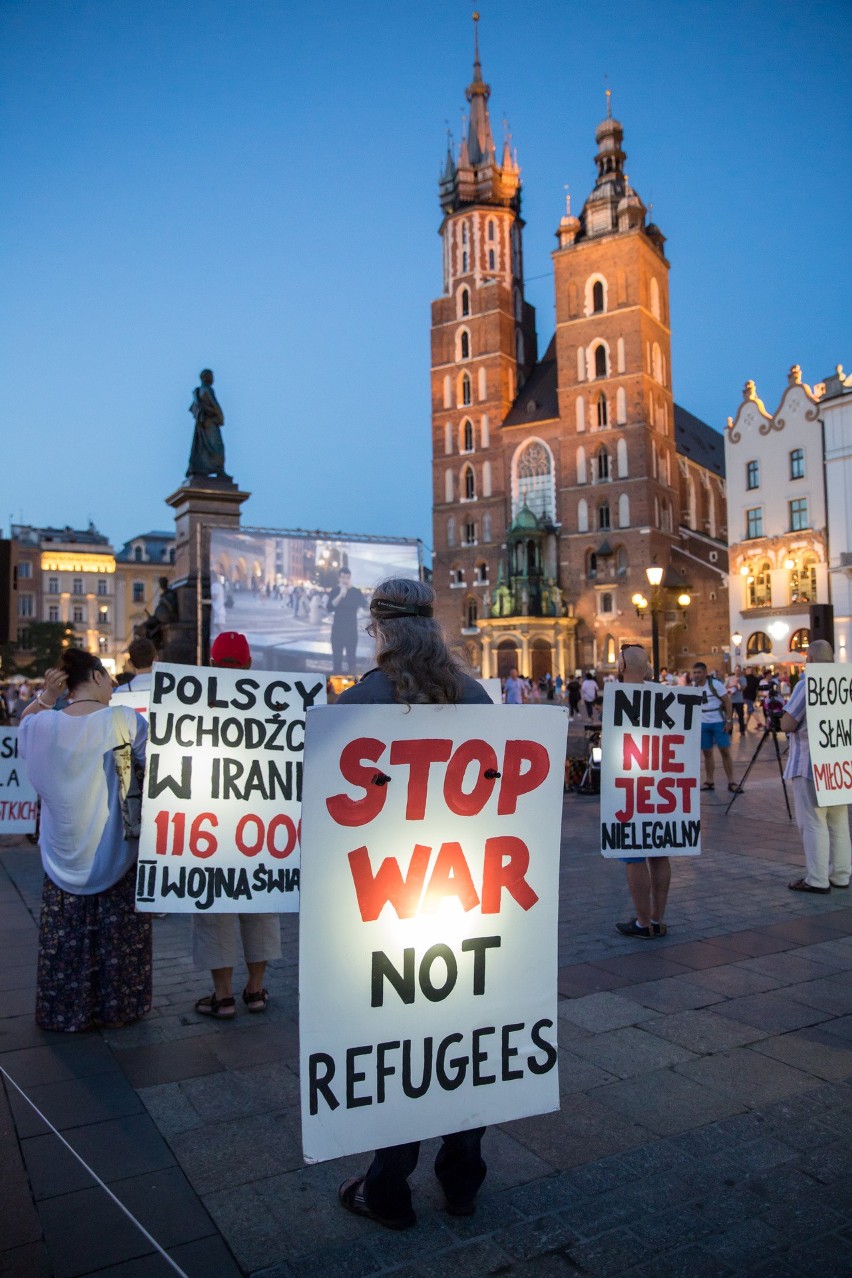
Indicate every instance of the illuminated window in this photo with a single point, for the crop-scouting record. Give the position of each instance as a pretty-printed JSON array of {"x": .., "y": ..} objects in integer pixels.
[
  {"x": 760, "y": 587},
  {"x": 534, "y": 484},
  {"x": 754, "y": 522},
  {"x": 797, "y": 463},
  {"x": 800, "y": 640},
  {"x": 102, "y": 644},
  {"x": 752, "y": 474},
  {"x": 103, "y": 616},
  {"x": 798, "y": 514},
  {"x": 758, "y": 643},
  {"x": 609, "y": 650}
]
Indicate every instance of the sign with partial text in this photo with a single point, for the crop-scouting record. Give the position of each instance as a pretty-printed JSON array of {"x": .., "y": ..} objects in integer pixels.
[
  {"x": 18, "y": 799},
  {"x": 828, "y": 702}
]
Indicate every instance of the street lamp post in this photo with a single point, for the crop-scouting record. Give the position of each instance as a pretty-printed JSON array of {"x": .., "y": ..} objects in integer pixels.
[{"x": 655, "y": 606}]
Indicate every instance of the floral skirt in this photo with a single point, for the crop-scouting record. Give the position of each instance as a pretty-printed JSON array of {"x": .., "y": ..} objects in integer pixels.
[{"x": 94, "y": 958}]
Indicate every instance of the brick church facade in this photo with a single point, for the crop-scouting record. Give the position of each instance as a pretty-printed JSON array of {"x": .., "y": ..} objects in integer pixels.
[{"x": 558, "y": 479}]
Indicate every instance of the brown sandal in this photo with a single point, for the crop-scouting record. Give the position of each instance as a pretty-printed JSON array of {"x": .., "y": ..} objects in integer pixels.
[
  {"x": 223, "y": 1009},
  {"x": 256, "y": 1000}
]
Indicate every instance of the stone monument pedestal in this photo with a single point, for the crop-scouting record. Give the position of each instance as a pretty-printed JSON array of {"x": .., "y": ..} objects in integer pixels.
[{"x": 199, "y": 505}]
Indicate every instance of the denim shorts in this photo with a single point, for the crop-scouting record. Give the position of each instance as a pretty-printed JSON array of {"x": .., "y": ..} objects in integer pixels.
[{"x": 714, "y": 734}]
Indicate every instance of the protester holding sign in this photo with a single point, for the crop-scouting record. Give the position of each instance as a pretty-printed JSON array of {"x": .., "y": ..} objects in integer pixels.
[
  {"x": 214, "y": 943},
  {"x": 648, "y": 878},
  {"x": 415, "y": 666},
  {"x": 824, "y": 830},
  {"x": 94, "y": 964}
]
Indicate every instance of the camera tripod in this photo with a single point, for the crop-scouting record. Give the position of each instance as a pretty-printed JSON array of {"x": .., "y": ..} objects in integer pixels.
[{"x": 770, "y": 729}]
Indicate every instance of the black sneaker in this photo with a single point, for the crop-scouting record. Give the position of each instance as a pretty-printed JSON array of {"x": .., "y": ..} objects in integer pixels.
[{"x": 633, "y": 929}]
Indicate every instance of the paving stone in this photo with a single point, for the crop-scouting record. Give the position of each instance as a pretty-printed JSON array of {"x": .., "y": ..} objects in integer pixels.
[
  {"x": 22, "y": 977},
  {"x": 604, "y": 1011},
  {"x": 583, "y": 978},
  {"x": 578, "y": 1075},
  {"x": 611, "y": 1253},
  {"x": 831, "y": 1255},
  {"x": 535, "y": 1237},
  {"x": 238, "y": 1093},
  {"x": 75, "y": 1102},
  {"x": 170, "y": 1109},
  {"x": 773, "y": 1012},
  {"x": 535, "y": 1198},
  {"x": 579, "y": 1133},
  {"x": 610, "y": 1173},
  {"x": 113, "y": 1150},
  {"x": 167, "y": 1062},
  {"x": 642, "y": 966},
  {"x": 784, "y": 1184},
  {"x": 58, "y": 1061},
  {"x": 630, "y": 1051},
  {"x": 746, "y": 1076},
  {"x": 829, "y": 1163},
  {"x": 733, "y": 981},
  {"x": 665, "y": 1102},
  {"x": 30, "y": 1261},
  {"x": 754, "y": 943},
  {"x": 701, "y": 954},
  {"x": 674, "y": 994},
  {"x": 745, "y": 1243},
  {"x": 830, "y": 994},
  {"x": 703, "y": 1032},
  {"x": 813, "y": 1050},
  {"x": 841, "y": 1027},
  {"x": 834, "y": 953},
  {"x": 804, "y": 1220},
  {"x": 758, "y": 1155},
  {"x": 510, "y": 1162},
  {"x": 74, "y": 1246},
  {"x": 790, "y": 968},
  {"x": 234, "y": 1153},
  {"x": 685, "y": 1262},
  {"x": 471, "y": 1259}
]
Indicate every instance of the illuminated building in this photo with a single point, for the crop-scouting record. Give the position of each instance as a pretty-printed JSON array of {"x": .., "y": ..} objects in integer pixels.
[
  {"x": 558, "y": 480},
  {"x": 139, "y": 565},
  {"x": 777, "y": 510},
  {"x": 835, "y": 409}
]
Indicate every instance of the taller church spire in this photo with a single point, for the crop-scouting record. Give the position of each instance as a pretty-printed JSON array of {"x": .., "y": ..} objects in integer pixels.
[
  {"x": 613, "y": 205},
  {"x": 476, "y": 177}
]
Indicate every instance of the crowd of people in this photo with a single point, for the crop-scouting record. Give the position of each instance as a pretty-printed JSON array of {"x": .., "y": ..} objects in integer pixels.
[{"x": 85, "y": 758}]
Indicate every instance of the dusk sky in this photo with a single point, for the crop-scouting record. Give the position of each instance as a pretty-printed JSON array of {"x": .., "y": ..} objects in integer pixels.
[{"x": 253, "y": 186}]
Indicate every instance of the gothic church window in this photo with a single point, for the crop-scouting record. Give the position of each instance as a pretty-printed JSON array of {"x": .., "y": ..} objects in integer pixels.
[
  {"x": 470, "y": 613},
  {"x": 603, "y": 517},
  {"x": 621, "y": 453},
  {"x": 581, "y": 465},
  {"x": 451, "y": 531},
  {"x": 448, "y": 437},
  {"x": 580, "y": 413},
  {"x": 591, "y": 564},
  {"x": 486, "y": 528},
  {"x": 464, "y": 344},
  {"x": 519, "y": 312},
  {"x": 655, "y": 299},
  {"x": 624, "y": 511},
  {"x": 597, "y": 296},
  {"x": 603, "y": 414},
  {"x": 465, "y": 389},
  {"x": 491, "y": 261},
  {"x": 469, "y": 535},
  {"x": 657, "y": 363},
  {"x": 469, "y": 484},
  {"x": 490, "y": 229},
  {"x": 582, "y": 515},
  {"x": 621, "y": 562},
  {"x": 600, "y": 361},
  {"x": 603, "y": 465},
  {"x": 534, "y": 484},
  {"x": 448, "y": 485},
  {"x": 482, "y": 572},
  {"x": 467, "y": 436},
  {"x": 464, "y": 299}
]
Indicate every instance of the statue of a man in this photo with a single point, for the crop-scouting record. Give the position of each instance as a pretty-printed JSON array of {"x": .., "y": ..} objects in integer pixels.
[{"x": 207, "y": 455}]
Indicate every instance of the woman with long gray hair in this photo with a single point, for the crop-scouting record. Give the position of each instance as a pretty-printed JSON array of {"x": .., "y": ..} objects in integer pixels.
[{"x": 415, "y": 666}]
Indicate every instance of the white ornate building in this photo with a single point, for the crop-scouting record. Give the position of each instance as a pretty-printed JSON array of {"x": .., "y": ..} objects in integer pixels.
[{"x": 835, "y": 410}]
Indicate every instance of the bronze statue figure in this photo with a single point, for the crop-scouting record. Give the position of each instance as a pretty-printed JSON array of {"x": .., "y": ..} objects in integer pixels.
[{"x": 207, "y": 456}]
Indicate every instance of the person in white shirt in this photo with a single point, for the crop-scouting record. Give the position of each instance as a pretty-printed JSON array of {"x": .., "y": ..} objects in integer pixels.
[
  {"x": 716, "y": 724},
  {"x": 94, "y": 962}
]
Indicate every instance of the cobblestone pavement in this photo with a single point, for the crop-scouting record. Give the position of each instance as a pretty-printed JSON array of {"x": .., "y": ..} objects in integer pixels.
[{"x": 706, "y": 1084}]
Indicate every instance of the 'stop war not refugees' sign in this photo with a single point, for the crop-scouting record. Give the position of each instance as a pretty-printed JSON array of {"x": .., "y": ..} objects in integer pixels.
[
  {"x": 650, "y": 769},
  {"x": 223, "y": 789},
  {"x": 428, "y": 927},
  {"x": 18, "y": 800},
  {"x": 828, "y": 694}
]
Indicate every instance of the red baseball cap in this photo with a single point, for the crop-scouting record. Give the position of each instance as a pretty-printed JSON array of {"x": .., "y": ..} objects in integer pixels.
[{"x": 230, "y": 648}]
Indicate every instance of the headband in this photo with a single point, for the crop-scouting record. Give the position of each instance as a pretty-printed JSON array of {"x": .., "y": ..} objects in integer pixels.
[{"x": 387, "y": 610}]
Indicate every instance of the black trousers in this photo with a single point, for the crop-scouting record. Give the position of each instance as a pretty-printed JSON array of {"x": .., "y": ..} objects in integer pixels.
[
  {"x": 459, "y": 1166},
  {"x": 344, "y": 645}
]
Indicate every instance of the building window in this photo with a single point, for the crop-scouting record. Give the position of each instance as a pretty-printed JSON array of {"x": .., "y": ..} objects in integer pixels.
[
  {"x": 798, "y": 514},
  {"x": 609, "y": 650},
  {"x": 464, "y": 344},
  {"x": 603, "y": 465},
  {"x": 465, "y": 389},
  {"x": 603, "y": 415},
  {"x": 470, "y": 613},
  {"x": 470, "y": 534},
  {"x": 486, "y": 528},
  {"x": 482, "y": 573},
  {"x": 102, "y": 585},
  {"x": 78, "y": 586},
  {"x": 451, "y": 531},
  {"x": 797, "y": 463},
  {"x": 534, "y": 485},
  {"x": 491, "y": 261},
  {"x": 606, "y": 602},
  {"x": 752, "y": 474},
  {"x": 600, "y": 361},
  {"x": 138, "y": 592},
  {"x": 591, "y": 564},
  {"x": 53, "y": 585},
  {"x": 25, "y": 570},
  {"x": 78, "y": 614},
  {"x": 457, "y": 576},
  {"x": 465, "y": 301},
  {"x": 469, "y": 483},
  {"x": 603, "y": 516},
  {"x": 754, "y": 522},
  {"x": 597, "y": 296},
  {"x": 103, "y": 616},
  {"x": 621, "y": 561},
  {"x": 758, "y": 643},
  {"x": 102, "y": 644},
  {"x": 25, "y": 606},
  {"x": 800, "y": 640},
  {"x": 467, "y": 437},
  {"x": 137, "y": 554},
  {"x": 53, "y": 612},
  {"x": 760, "y": 587},
  {"x": 490, "y": 231},
  {"x": 464, "y": 262}
]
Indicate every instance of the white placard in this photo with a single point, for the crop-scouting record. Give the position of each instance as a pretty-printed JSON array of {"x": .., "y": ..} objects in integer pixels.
[
  {"x": 828, "y": 701},
  {"x": 494, "y": 688},
  {"x": 18, "y": 800},
  {"x": 223, "y": 783},
  {"x": 428, "y": 935},
  {"x": 650, "y": 770},
  {"x": 137, "y": 701}
]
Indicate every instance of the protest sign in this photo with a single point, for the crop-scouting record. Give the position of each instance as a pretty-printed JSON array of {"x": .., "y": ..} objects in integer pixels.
[
  {"x": 137, "y": 701},
  {"x": 650, "y": 769},
  {"x": 223, "y": 787},
  {"x": 494, "y": 688},
  {"x": 828, "y": 699},
  {"x": 18, "y": 800},
  {"x": 428, "y": 931}
]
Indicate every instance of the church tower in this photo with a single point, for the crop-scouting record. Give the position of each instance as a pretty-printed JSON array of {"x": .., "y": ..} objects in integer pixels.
[
  {"x": 620, "y": 505},
  {"x": 483, "y": 348}
]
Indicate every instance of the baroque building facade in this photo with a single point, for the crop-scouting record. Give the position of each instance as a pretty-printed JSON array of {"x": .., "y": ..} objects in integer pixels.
[{"x": 557, "y": 481}]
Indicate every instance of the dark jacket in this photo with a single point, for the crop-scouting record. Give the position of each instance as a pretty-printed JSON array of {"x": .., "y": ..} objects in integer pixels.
[{"x": 376, "y": 689}]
